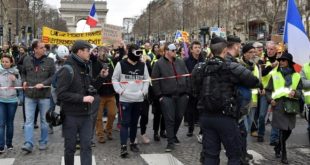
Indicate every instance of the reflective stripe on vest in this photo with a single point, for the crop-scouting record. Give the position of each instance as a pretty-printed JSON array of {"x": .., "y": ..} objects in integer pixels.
[
  {"x": 279, "y": 85},
  {"x": 111, "y": 62},
  {"x": 306, "y": 69},
  {"x": 255, "y": 91}
]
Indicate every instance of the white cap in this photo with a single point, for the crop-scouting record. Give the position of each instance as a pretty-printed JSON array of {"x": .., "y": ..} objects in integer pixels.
[{"x": 172, "y": 47}]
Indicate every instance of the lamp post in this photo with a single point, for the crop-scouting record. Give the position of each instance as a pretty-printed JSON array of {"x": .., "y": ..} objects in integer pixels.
[{"x": 10, "y": 25}]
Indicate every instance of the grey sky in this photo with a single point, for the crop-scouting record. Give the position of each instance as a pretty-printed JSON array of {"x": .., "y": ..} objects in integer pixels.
[{"x": 118, "y": 9}]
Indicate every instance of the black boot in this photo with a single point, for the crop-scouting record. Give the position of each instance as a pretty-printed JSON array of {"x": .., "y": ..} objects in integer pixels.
[
  {"x": 284, "y": 158},
  {"x": 277, "y": 150},
  {"x": 124, "y": 152}
]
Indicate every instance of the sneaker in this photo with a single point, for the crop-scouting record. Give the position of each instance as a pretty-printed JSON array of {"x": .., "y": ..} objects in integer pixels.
[
  {"x": 9, "y": 147},
  {"x": 2, "y": 150},
  {"x": 93, "y": 144},
  {"x": 27, "y": 147},
  {"x": 101, "y": 139},
  {"x": 176, "y": 141},
  {"x": 260, "y": 139},
  {"x": 163, "y": 134},
  {"x": 124, "y": 152},
  {"x": 199, "y": 138},
  {"x": 42, "y": 147},
  {"x": 156, "y": 137},
  {"x": 254, "y": 134},
  {"x": 36, "y": 126},
  {"x": 145, "y": 139},
  {"x": 249, "y": 156},
  {"x": 273, "y": 143},
  {"x": 169, "y": 147},
  {"x": 134, "y": 147},
  {"x": 136, "y": 140}
]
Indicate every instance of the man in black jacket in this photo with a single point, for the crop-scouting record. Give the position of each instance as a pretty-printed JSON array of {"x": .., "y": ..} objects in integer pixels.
[
  {"x": 75, "y": 102},
  {"x": 218, "y": 79},
  {"x": 194, "y": 58},
  {"x": 172, "y": 92}
]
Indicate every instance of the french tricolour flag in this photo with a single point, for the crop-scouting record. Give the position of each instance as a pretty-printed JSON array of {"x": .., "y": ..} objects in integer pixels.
[
  {"x": 295, "y": 35},
  {"x": 92, "y": 19}
]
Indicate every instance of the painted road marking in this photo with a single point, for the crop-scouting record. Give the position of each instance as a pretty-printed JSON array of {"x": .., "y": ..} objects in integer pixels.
[
  {"x": 7, "y": 161},
  {"x": 77, "y": 160},
  {"x": 160, "y": 159}
]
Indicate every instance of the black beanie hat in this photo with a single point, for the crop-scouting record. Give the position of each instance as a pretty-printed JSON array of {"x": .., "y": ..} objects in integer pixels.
[{"x": 247, "y": 47}]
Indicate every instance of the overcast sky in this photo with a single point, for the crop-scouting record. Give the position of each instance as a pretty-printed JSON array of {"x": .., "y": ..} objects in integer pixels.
[{"x": 118, "y": 9}]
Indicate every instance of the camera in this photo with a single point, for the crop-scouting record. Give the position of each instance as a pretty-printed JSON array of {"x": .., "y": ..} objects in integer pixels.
[{"x": 92, "y": 91}]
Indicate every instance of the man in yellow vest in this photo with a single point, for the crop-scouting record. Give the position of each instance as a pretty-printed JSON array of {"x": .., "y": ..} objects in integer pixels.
[
  {"x": 305, "y": 77},
  {"x": 269, "y": 65}
]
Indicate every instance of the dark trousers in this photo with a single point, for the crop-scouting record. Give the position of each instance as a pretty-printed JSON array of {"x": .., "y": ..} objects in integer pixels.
[
  {"x": 93, "y": 113},
  {"x": 281, "y": 146},
  {"x": 192, "y": 113},
  {"x": 158, "y": 117},
  {"x": 82, "y": 126},
  {"x": 243, "y": 137},
  {"x": 129, "y": 113},
  {"x": 144, "y": 116},
  {"x": 216, "y": 130},
  {"x": 173, "y": 109}
]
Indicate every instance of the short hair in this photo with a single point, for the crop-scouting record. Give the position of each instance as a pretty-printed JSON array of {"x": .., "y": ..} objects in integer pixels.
[
  {"x": 218, "y": 48},
  {"x": 194, "y": 43},
  {"x": 35, "y": 44},
  {"x": 271, "y": 43},
  {"x": 47, "y": 47}
]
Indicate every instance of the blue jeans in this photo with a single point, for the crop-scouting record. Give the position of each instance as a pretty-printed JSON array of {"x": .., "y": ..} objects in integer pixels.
[
  {"x": 30, "y": 108},
  {"x": 274, "y": 136},
  {"x": 7, "y": 115},
  {"x": 130, "y": 113},
  {"x": 249, "y": 118},
  {"x": 263, "y": 108}
]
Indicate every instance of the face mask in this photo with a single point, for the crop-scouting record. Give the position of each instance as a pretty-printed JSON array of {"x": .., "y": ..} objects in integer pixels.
[{"x": 134, "y": 55}]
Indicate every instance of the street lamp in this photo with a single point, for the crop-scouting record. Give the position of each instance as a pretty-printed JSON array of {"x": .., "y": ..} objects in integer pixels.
[{"x": 10, "y": 25}]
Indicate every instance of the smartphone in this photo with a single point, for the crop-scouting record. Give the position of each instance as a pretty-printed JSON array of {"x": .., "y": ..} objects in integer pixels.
[{"x": 105, "y": 66}]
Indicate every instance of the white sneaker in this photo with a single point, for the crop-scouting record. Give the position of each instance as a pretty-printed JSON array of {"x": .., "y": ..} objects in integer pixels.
[
  {"x": 145, "y": 139},
  {"x": 136, "y": 140},
  {"x": 199, "y": 138}
]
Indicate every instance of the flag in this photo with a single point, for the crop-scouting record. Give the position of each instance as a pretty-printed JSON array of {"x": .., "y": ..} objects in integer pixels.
[
  {"x": 92, "y": 19},
  {"x": 295, "y": 35},
  {"x": 178, "y": 36}
]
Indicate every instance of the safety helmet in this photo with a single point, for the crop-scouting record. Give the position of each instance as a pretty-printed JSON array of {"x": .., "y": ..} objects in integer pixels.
[
  {"x": 53, "y": 118},
  {"x": 62, "y": 51}
]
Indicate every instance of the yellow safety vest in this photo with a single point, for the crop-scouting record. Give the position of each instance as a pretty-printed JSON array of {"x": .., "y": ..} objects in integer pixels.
[
  {"x": 306, "y": 92},
  {"x": 255, "y": 91},
  {"x": 279, "y": 88}
]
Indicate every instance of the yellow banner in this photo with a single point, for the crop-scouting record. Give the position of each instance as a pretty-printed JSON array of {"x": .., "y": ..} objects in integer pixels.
[{"x": 51, "y": 36}]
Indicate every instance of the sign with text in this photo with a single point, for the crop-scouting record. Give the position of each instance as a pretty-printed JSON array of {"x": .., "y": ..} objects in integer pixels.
[{"x": 52, "y": 36}]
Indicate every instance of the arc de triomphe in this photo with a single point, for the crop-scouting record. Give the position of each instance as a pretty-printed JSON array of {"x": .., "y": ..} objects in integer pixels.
[{"x": 72, "y": 11}]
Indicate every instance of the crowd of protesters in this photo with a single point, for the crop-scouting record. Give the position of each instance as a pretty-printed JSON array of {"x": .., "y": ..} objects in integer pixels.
[{"x": 129, "y": 80}]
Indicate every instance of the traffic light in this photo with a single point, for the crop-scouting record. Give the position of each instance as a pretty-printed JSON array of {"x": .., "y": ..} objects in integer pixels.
[{"x": 1, "y": 30}]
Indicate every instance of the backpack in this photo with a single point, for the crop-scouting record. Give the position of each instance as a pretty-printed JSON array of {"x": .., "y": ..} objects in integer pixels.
[
  {"x": 54, "y": 81},
  {"x": 217, "y": 94}
]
